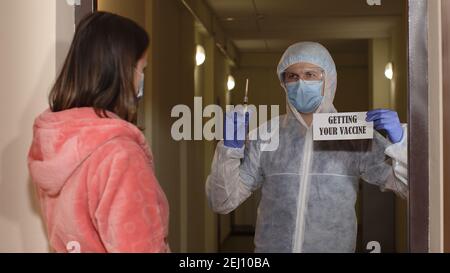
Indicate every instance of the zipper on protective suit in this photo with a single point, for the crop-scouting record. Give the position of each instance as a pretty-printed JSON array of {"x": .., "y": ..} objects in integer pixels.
[{"x": 303, "y": 192}]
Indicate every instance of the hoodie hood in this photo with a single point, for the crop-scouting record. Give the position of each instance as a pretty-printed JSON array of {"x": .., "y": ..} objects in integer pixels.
[
  {"x": 317, "y": 54},
  {"x": 62, "y": 141}
]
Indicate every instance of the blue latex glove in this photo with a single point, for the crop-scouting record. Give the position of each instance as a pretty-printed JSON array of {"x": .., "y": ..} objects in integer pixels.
[
  {"x": 384, "y": 119},
  {"x": 235, "y": 129}
]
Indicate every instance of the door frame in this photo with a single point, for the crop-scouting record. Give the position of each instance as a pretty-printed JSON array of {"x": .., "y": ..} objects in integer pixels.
[
  {"x": 418, "y": 172},
  {"x": 418, "y": 156},
  {"x": 84, "y": 8},
  {"x": 445, "y": 9}
]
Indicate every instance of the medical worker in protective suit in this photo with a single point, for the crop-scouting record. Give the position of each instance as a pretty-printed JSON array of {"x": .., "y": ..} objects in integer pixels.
[{"x": 309, "y": 189}]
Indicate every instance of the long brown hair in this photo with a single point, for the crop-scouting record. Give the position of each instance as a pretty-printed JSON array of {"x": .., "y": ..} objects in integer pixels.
[{"x": 99, "y": 69}]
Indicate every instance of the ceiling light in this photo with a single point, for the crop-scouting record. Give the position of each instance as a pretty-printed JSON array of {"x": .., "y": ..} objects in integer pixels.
[
  {"x": 389, "y": 71},
  {"x": 231, "y": 84},
  {"x": 200, "y": 56}
]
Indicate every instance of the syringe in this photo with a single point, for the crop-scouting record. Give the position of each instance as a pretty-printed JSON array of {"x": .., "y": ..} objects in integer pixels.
[
  {"x": 246, "y": 111},
  {"x": 246, "y": 96}
]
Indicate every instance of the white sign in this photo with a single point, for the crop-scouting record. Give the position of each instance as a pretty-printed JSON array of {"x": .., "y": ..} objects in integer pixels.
[{"x": 342, "y": 126}]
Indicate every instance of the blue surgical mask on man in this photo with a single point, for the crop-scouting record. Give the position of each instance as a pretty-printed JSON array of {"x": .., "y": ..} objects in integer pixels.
[{"x": 306, "y": 97}]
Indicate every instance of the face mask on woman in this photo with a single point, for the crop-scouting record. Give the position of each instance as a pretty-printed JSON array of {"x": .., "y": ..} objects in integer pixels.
[{"x": 140, "y": 91}]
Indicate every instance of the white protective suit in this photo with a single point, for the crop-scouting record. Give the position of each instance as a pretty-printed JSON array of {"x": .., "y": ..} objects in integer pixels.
[{"x": 309, "y": 189}]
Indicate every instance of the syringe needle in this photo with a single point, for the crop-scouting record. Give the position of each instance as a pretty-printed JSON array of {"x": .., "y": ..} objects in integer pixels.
[{"x": 246, "y": 93}]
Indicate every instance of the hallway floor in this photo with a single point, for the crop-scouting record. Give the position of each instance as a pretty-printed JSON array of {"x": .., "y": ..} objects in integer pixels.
[{"x": 238, "y": 244}]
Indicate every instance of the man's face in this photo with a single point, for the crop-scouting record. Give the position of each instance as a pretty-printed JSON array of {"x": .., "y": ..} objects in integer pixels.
[{"x": 304, "y": 71}]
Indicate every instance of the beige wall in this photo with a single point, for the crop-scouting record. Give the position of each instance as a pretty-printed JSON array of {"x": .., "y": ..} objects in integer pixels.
[
  {"x": 34, "y": 35},
  {"x": 380, "y": 55},
  {"x": 134, "y": 9},
  {"x": 353, "y": 79},
  {"x": 399, "y": 88},
  {"x": 173, "y": 83},
  {"x": 209, "y": 97}
]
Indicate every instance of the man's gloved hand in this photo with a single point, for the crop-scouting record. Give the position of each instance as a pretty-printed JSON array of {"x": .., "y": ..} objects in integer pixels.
[
  {"x": 235, "y": 128},
  {"x": 385, "y": 119}
]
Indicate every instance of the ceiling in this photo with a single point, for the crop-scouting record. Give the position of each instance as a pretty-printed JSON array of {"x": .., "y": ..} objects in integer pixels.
[{"x": 272, "y": 25}]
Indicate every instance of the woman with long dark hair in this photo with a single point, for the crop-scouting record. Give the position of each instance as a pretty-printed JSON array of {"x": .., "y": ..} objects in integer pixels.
[{"x": 91, "y": 164}]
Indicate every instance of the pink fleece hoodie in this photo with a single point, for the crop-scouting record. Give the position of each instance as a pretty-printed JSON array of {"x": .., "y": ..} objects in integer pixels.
[{"x": 96, "y": 184}]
